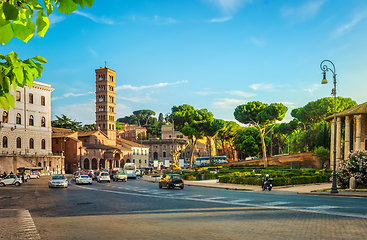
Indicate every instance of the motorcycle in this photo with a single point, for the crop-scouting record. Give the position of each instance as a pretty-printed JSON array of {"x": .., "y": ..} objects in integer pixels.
[{"x": 267, "y": 184}]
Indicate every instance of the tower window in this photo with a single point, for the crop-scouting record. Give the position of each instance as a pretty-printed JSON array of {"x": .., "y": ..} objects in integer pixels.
[
  {"x": 43, "y": 122},
  {"x": 5, "y": 142},
  {"x": 5, "y": 117},
  {"x": 31, "y": 143},
  {"x": 43, "y": 144},
  {"x": 19, "y": 142}
]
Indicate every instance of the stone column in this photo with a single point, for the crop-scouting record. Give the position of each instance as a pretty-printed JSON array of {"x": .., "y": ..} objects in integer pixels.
[
  {"x": 347, "y": 137},
  {"x": 338, "y": 139},
  {"x": 332, "y": 144},
  {"x": 358, "y": 131}
]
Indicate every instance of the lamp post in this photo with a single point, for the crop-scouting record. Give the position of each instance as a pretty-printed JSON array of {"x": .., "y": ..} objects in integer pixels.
[{"x": 325, "y": 68}]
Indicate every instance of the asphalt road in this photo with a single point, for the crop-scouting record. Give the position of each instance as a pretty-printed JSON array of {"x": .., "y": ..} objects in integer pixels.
[{"x": 140, "y": 210}]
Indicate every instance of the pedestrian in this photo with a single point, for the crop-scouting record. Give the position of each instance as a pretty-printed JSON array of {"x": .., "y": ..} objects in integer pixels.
[
  {"x": 11, "y": 172},
  {"x": 22, "y": 177},
  {"x": 5, "y": 174}
]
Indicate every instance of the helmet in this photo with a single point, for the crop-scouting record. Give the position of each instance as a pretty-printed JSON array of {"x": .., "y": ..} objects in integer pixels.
[{"x": 267, "y": 175}]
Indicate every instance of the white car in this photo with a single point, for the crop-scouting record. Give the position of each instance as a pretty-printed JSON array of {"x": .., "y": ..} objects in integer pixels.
[
  {"x": 11, "y": 179},
  {"x": 83, "y": 179},
  {"x": 34, "y": 175},
  {"x": 58, "y": 180},
  {"x": 103, "y": 176}
]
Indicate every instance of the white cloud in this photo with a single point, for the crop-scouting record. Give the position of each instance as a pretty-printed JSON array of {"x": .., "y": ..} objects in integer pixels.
[
  {"x": 215, "y": 20},
  {"x": 261, "y": 86},
  {"x": 148, "y": 86},
  {"x": 303, "y": 12},
  {"x": 312, "y": 88},
  {"x": 94, "y": 18},
  {"x": 156, "y": 19},
  {"x": 228, "y": 103},
  {"x": 138, "y": 99},
  {"x": 53, "y": 18},
  {"x": 241, "y": 94},
  {"x": 84, "y": 112},
  {"x": 66, "y": 95},
  {"x": 356, "y": 19},
  {"x": 93, "y": 52},
  {"x": 288, "y": 103},
  {"x": 229, "y": 6}
]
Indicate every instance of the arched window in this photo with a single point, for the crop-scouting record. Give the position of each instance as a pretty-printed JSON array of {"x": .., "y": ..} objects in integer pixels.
[
  {"x": 43, "y": 144},
  {"x": 5, "y": 117},
  {"x": 43, "y": 122},
  {"x": 31, "y": 143},
  {"x": 19, "y": 142},
  {"x": 31, "y": 98},
  {"x": 18, "y": 119},
  {"x": 5, "y": 142},
  {"x": 43, "y": 101},
  {"x": 31, "y": 120}
]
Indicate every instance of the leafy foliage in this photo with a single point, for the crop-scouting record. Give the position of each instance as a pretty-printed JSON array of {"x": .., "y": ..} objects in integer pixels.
[
  {"x": 20, "y": 19},
  {"x": 65, "y": 122},
  {"x": 354, "y": 166},
  {"x": 260, "y": 115},
  {"x": 323, "y": 154},
  {"x": 247, "y": 141}
]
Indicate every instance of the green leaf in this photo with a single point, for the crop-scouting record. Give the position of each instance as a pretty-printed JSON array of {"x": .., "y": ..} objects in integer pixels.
[
  {"x": 28, "y": 75},
  {"x": 49, "y": 6},
  {"x": 67, "y": 6},
  {"x": 88, "y": 3},
  {"x": 10, "y": 11},
  {"x": 13, "y": 59},
  {"x": 18, "y": 72},
  {"x": 80, "y": 2},
  {"x": 40, "y": 59},
  {"x": 23, "y": 30},
  {"x": 4, "y": 104},
  {"x": 3, "y": 20},
  {"x": 42, "y": 24},
  {"x": 10, "y": 99},
  {"x": 6, "y": 34}
]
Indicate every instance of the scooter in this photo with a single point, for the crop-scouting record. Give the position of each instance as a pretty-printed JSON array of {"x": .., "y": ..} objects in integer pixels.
[{"x": 267, "y": 184}]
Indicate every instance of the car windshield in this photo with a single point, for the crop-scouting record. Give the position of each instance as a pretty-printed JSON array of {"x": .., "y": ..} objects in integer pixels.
[
  {"x": 104, "y": 174},
  {"x": 121, "y": 173},
  {"x": 84, "y": 176},
  {"x": 175, "y": 176},
  {"x": 57, "y": 177}
]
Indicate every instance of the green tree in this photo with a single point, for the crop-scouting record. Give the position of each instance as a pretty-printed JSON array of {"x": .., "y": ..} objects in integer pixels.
[
  {"x": 191, "y": 122},
  {"x": 323, "y": 154},
  {"x": 21, "y": 19},
  {"x": 228, "y": 133},
  {"x": 65, "y": 122},
  {"x": 260, "y": 115},
  {"x": 247, "y": 141},
  {"x": 160, "y": 118},
  {"x": 143, "y": 116},
  {"x": 211, "y": 129}
]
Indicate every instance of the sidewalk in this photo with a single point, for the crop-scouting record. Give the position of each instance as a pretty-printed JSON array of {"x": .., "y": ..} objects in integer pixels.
[{"x": 322, "y": 189}]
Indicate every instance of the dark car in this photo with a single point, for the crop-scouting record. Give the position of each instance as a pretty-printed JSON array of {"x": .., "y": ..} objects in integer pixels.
[{"x": 171, "y": 181}]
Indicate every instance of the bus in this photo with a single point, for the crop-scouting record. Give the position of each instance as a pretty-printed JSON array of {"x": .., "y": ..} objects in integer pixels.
[
  {"x": 202, "y": 161},
  {"x": 130, "y": 170}
]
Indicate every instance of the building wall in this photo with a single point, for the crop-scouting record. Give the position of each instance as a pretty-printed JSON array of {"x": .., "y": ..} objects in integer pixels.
[
  {"x": 140, "y": 156},
  {"x": 10, "y": 128},
  {"x": 167, "y": 131}
]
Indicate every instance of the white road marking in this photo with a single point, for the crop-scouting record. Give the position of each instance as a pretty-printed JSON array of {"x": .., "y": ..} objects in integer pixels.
[
  {"x": 240, "y": 200},
  {"x": 275, "y": 203},
  {"x": 215, "y": 198},
  {"x": 27, "y": 229},
  {"x": 198, "y": 199},
  {"x": 323, "y": 207}
]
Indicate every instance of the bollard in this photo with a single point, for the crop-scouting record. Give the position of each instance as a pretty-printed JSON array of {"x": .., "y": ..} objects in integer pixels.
[{"x": 352, "y": 183}]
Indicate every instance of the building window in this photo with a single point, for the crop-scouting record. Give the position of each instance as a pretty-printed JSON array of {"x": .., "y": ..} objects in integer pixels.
[
  {"x": 17, "y": 96},
  {"x": 5, "y": 142},
  {"x": 57, "y": 141},
  {"x": 43, "y": 144},
  {"x": 164, "y": 154},
  {"x": 74, "y": 145},
  {"x": 31, "y": 98},
  {"x": 19, "y": 142},
  {"x": 74, "y": 155},
  {"x": 49, "y": 163},
  {"x": 139, "y": 161},
  {"x": 145, "y": 161},
  {"x": 43, "y": 122},
  {"x": 5, "y": 117},
  {"x": 18, "y": 119},
  {"x": 31, "y": 120},
  {"x": 43, "y": 101},
  {"x": 31, "y": 143},
  {"x": 133, "y": 160}
]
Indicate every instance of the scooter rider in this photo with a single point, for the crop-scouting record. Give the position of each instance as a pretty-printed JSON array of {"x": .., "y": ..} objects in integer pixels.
[{"x": 265, "y": 181}]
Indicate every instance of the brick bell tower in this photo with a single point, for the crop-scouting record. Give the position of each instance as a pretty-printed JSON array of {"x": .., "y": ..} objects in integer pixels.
[{"x": 106, "y": 102}]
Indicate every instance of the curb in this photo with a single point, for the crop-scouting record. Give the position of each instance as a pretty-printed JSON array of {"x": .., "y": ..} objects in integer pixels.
[{"x": 329, "y": 194}]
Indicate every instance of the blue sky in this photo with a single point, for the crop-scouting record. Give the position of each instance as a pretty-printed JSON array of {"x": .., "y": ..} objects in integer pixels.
[{"x": 213, "y": 54}]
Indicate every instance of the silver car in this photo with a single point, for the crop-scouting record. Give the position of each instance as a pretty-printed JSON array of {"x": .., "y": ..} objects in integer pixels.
[{"x": 58, "y": 180}]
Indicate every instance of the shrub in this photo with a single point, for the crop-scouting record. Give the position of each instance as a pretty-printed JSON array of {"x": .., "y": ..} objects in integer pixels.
[{"x": 354, "y": 166}]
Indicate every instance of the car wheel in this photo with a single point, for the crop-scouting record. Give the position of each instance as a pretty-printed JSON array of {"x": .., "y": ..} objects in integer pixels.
[
  {"x": 160, "y": 185},
  {"x": 90, "y": 183},
  {"x": 17, "y": 184},
  {"x": 181, "y": 187},
  {"x": 168, "y": 187},
  {"x": 49, "y": 186},
  {"x": 2, "y": 184},
  {"x": 109, "y": 181}
]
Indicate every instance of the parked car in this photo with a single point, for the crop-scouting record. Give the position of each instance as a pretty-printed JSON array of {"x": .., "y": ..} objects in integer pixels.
[
  {"x": 34, "y": 175},
  {"x": 120, "y": 175},
  {"x": 83, "y": 179},
  {"x": 58, "y": 180},
  {"x": 171, "y": 181},
  {"x": 20, "y": 176},
  {"x": 103, "y": 176},
  {"x": 95, "y": 175},
  {"x": 11, "y": 179}
]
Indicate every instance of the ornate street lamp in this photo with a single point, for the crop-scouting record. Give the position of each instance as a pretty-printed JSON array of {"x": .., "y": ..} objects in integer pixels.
[{"x": 325, "y": 68}]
